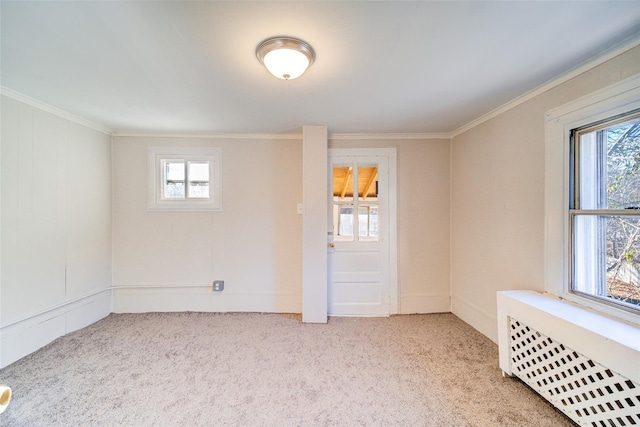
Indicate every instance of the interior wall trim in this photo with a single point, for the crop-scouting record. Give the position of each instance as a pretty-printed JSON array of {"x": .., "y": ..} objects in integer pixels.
[
  {"x": 54, "y": 308},
  {"x": 177, "y": 298},
  {"x": 208, "y": 135},
  {"x": 93, "y": 294},
  {"x": 423, "y": 303},
  {"x": 288, "y": 136},
  {"x": 22, "y": 337},
  {"x": 481, "y": 320},
  {"x": 388, "y": 136},
  {"x": 9, "y": 93}
]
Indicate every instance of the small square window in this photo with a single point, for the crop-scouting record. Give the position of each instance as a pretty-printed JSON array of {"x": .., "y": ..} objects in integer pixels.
[{"x": 186, "y": 179}]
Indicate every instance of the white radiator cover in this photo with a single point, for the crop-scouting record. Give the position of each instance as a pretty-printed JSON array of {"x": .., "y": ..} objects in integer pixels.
[{"x": 586, "y": 365}]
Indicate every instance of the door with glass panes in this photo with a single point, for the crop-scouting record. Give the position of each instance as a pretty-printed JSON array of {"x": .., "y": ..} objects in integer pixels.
[{"x": 358, "y": 236}]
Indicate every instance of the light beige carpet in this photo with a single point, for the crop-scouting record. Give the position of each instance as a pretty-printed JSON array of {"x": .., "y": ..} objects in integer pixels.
[{"x": 203, "y": 369}]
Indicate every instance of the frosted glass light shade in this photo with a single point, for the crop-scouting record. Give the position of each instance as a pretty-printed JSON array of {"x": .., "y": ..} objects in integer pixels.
[
  {"x": 286, "y": 63},
  {"x": 285, "y": 57}
]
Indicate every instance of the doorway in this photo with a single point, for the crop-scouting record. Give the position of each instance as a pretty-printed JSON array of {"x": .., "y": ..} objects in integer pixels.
[{"x": 362, "y": 258}]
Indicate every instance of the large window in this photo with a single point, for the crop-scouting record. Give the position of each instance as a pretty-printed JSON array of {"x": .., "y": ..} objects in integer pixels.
[
  {"x": 187, "y": 179},
  {"x": 591, "y": 184},
  {"x": 604, "y": 210}
]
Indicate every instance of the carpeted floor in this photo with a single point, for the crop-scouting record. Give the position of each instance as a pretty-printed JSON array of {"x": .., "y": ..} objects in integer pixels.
[{"x": 197, "y": 369}]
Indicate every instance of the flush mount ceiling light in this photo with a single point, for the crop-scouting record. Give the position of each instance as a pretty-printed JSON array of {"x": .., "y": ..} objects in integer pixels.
[{"x": 285, "y": 57}]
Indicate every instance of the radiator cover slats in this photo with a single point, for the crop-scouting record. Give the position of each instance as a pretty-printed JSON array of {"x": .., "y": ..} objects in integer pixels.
[{"x": 586, "y": 391}]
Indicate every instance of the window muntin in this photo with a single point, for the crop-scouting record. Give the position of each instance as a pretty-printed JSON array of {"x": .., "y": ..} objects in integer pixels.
[
  {"x": 604, "y": 214},
  {"x": 187, "y": 179}
]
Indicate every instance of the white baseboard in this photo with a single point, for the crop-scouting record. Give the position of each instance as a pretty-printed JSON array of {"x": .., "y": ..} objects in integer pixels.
[
  {"x": 144, "y": 299},
  {"x": 425, "y": 303},
  {"x": 23, "y": 337},
  {"x": 484, "y": 322}
]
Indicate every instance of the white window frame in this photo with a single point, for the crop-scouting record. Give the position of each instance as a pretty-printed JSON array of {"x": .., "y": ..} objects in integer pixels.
[
  {"x": 156, "y": 156},
  {"x": 614, "y": 100}
]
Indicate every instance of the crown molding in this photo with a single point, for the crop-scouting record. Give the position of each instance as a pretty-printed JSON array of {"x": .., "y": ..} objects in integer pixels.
[
  {"x": 603, "y": 57},
  {"x": 9, "y": 93},
  {"x": 206, "y": 135},
  {"x": 387, "y": 136},
  {"x": 288, "y": 136}
]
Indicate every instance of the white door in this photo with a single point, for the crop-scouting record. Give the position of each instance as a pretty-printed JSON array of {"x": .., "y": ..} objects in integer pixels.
[{"x": 358, "y": 238}]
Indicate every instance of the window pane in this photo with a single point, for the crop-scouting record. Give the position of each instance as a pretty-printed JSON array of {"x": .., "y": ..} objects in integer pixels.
[
  {"x": 623, "y": 259},
  {"x": 199, "y": 180},
  {"x": 368, "y": 222},
  {"x": 345, "y": 220},
  {"x": 373, "y": 221},
  {"x": 368, "y": 182},
  {"x": 607, "y": 257},
  {"x": 623, "y": 165},
  {"x": 592, "y": 171},
  {"x": 199, "y": 171},
  {"x": 609, "y": 166},
  {"x": 363, "y": 221},
  {"x": 173, "y": 179},
  {"x": 343, "y": 182}
]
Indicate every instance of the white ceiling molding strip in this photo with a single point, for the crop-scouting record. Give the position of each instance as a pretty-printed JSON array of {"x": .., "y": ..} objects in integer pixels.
[
  {"x": 209, "y": 135},
  {"x": 288, "y": 136},
  {"x": 9, "y": 93},
  {"x": 388, "y": 136},
  {"x": 616, "y": 50}
]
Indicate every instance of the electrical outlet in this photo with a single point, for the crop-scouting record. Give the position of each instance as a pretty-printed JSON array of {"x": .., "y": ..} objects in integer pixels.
[{"x": 218, "y": 285}]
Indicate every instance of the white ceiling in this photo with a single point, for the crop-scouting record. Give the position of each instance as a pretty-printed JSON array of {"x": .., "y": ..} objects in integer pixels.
[{"x": 381, "y": 67}]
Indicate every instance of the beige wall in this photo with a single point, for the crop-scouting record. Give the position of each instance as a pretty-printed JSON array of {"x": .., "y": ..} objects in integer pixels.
[
  {"x": 497, "y": 197},
  {"x": 423, "y": 220},
  {"x": 254, "y": 244},
  {"x": 56, "y": 211}
]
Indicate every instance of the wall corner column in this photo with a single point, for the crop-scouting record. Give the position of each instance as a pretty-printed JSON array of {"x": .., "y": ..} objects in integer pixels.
[{"x": 314, "y": 224}]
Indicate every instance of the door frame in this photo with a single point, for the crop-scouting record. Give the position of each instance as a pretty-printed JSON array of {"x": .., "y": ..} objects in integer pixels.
[{"x": 391, "y": 155}]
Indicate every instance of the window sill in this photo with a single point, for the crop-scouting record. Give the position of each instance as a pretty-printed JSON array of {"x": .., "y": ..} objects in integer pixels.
[
  {"x": 182, "y": 205},
  {"x": 628, "y": 316}
]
